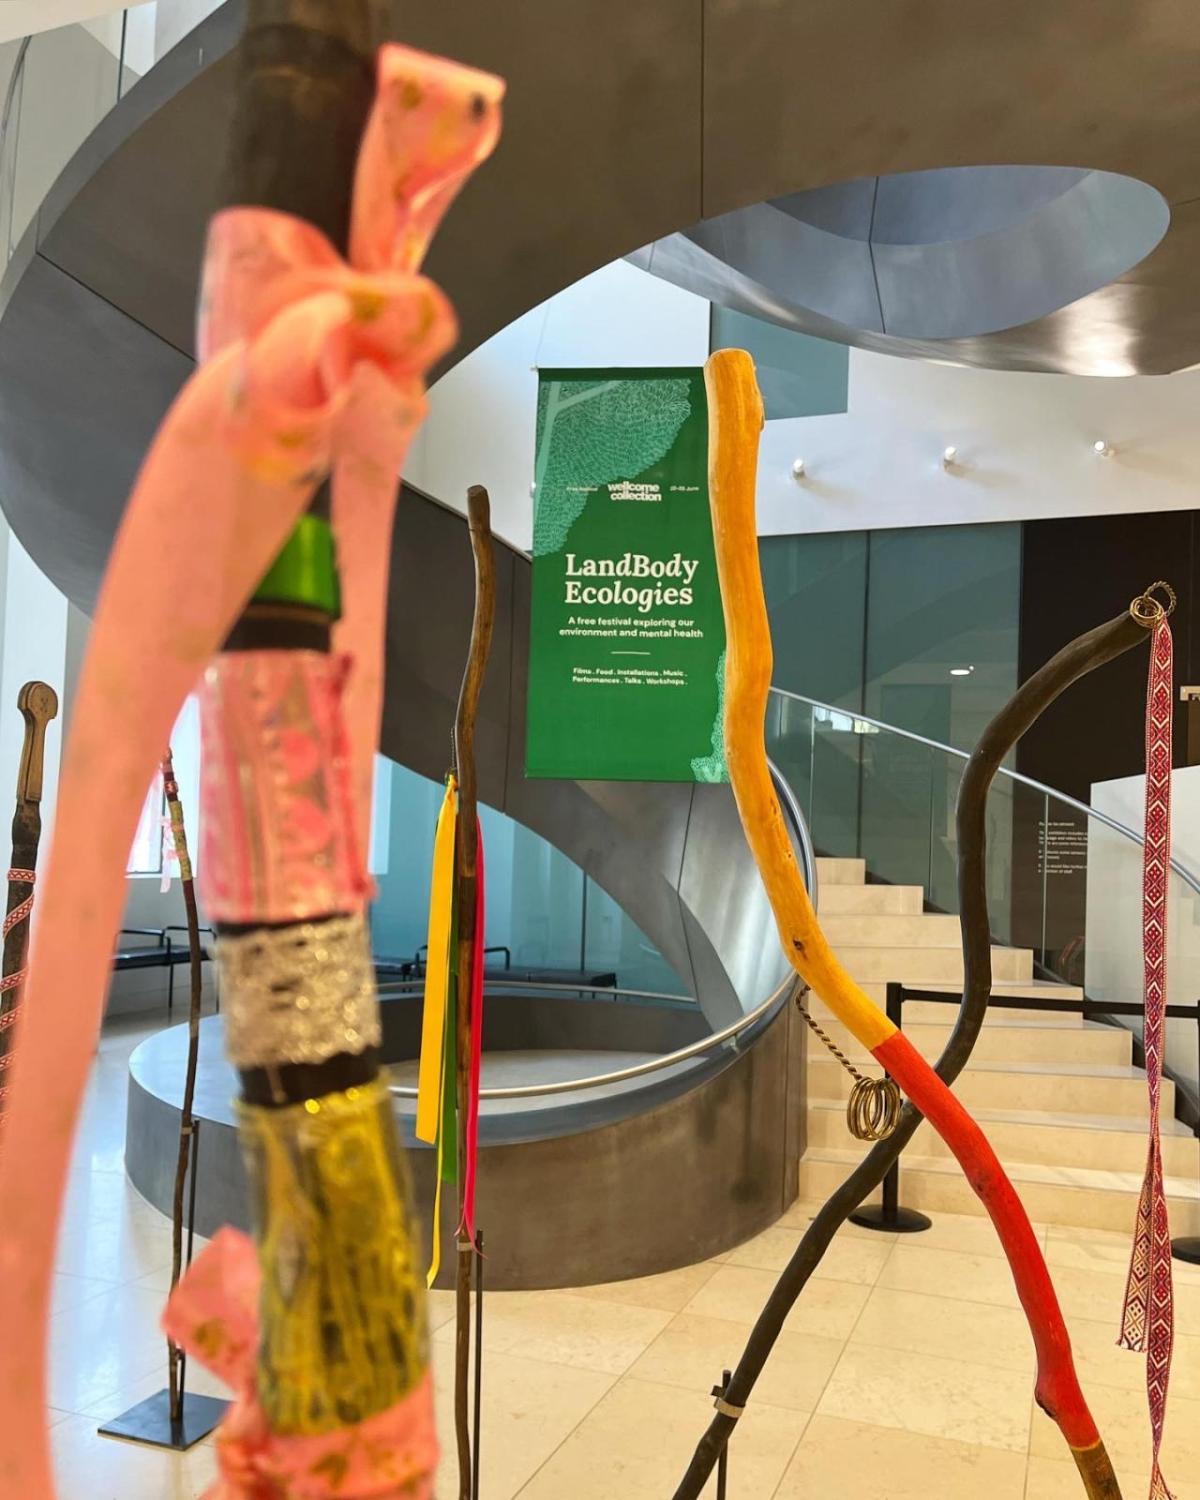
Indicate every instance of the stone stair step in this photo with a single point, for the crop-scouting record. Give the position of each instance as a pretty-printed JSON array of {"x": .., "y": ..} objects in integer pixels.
[
  {"x": 1004, "y": 1040},
  {"x": 1050, "y": 1139},
  {"x": 841, "y": 871},
  {"x": 934, "y": 1010},
  {"x": 1061, "y": 1087},
  {"x": 891, "y": 930},
  {"x": 918, "y": 966},
  {"x": 838, "y": 900},
  {"x": 1037, "y": 989},
  {"x": 1075, "y": 1196}
]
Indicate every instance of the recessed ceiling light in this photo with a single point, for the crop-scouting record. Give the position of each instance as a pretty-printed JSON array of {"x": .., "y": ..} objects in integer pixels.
[
  {"x": 949, "y": 457},
  {"x": 798, "y": 468},
  {"x": 1102, "y": 448},
  {"x": 961, "y": 671}
]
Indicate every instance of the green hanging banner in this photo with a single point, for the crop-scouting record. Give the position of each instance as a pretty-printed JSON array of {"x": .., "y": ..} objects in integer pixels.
[{"x": 627, "y": 638}]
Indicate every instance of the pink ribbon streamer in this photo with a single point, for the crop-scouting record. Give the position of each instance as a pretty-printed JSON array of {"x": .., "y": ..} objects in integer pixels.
[
  {"x": 309, "y": 364},
  {"x": 1148, "y": 1318},
  {"x": 213, "y": 1315}
]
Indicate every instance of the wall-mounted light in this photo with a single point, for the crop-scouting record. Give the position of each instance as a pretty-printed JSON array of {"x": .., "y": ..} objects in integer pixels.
[
  {"x": 1102, "y": 448},
  {"x": 532, "y": 488},
  {"x": 961, "y": 671},
  {"x": 949, "y": 457},
  {"x": 798, "y": 470}
]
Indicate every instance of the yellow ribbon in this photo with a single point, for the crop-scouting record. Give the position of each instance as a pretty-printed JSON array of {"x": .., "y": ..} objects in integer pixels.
[{"x": 431, "y": 1080}]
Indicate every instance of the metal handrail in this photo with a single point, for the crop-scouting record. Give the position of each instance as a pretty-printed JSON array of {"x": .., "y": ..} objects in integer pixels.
[
  {"x": 497, "y": 983},
  {"x": 14, "y": 80},
  {"x": 638, "y": 1070},
  {"x": 684, "y": 1054},
  {"x": 1190, "y": 880}
]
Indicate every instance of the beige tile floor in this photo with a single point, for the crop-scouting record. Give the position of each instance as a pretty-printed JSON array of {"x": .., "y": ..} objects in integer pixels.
[{"x": 904, "y": 1373}]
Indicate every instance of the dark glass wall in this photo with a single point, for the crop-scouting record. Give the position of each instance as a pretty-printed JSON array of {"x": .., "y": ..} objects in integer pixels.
[{"x": 918, "y": 628}]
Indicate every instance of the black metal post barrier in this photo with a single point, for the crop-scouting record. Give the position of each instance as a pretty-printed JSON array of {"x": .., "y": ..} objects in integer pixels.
[
  {"x": 151, "y": 1421},
  {"x": 1183, "y": 1247},
  {"x": 888, "y": 1215},
  {"x": 478, "y": 1362}
]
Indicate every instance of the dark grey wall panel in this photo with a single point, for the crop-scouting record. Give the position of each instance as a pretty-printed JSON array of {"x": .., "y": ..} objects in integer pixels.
[{"x": 82, "y": 390}]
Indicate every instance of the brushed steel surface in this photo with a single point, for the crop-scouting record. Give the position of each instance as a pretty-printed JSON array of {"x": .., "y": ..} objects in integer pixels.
[
  {"x": 943, "y": 255},
  {"x": 662, "y": 1176}
]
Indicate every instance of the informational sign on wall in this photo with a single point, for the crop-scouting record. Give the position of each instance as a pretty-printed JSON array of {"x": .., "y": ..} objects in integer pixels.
[{"x": 626, "y": 652}]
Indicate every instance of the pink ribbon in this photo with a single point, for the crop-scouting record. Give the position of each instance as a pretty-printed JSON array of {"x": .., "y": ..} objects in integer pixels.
[
  {"x": 213, "y": 1315},
  {"x": 309, "y": 364},
  {"x": 1148, "y": 1314}
]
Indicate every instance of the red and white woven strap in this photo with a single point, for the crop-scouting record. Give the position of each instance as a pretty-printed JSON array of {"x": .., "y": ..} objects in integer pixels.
[
  {"x": 10, "y": 982},
  {"x": 1147, "y": 1319}
]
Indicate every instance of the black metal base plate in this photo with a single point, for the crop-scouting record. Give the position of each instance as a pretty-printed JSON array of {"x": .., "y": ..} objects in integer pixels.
[
  {"x": 150, "y": 1421},
  {"x": 1187, "y": 1248},
  {"x": 899, "y": 1221}
]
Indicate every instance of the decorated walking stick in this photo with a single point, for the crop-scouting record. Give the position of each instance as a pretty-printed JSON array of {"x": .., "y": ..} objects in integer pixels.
[
  {"x": 38, "y": 703},
  {"x": 452, "y": 1024},
  {"x": 1081, "y": 656},
  {"x": 735, "y": 422},
  {"x": 1148, "y": 1313},
  {"x": 176, "y": 1360},
  {"x": 312, "y": 365}
]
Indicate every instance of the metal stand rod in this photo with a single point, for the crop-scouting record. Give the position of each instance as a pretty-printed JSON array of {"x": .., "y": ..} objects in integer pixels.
[
  {"x": 889, "y": 1215},
  {"x": 723, "y": 1461},
  {"x": 478, "y": 1416},
  {"x": 191, "y": 1238}
]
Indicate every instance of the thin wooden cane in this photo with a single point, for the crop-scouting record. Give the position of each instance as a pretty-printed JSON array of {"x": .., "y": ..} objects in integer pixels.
[
  {"x": 38, "y": 703},
  {"x": 735, "y": 422},
  {"x": 467, "y": 875},
  {"x": 176, "y": 1359}
]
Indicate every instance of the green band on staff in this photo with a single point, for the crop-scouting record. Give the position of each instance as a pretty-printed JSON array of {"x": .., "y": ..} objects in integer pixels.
[{"x": 305, "y": 572}]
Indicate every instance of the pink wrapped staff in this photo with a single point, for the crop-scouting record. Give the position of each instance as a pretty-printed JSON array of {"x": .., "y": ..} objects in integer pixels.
[{"x": 315, "y": 336}]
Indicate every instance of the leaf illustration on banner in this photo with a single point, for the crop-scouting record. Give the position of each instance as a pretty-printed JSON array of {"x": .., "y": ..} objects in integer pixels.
[
  {"x": 707, "y": 768},
  {"x": 596, "y": 432}
]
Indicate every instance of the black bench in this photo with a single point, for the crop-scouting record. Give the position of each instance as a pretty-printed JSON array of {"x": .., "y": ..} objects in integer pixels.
[{"x": 162, "y": 954}]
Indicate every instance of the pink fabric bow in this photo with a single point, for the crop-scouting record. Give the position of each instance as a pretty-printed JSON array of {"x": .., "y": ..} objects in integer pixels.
[
  {"x": 213, "y": 1315},
  {"x": 308, "y": 364}
]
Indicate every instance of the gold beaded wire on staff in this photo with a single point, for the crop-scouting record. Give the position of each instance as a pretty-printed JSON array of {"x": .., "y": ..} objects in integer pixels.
[
  {"x": 1148, "y": 611},
  {"x": 873, "y": 1109}
]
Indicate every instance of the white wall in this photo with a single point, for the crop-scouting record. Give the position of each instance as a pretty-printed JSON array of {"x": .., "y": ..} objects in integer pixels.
[
  {"x": 1113, "y": 955},
  {"x": 481, "y": 420},
  {"x": 1025, "y": 441}
]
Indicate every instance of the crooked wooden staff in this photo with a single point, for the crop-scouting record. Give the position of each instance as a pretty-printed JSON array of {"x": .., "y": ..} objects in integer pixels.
[
  {"x": 38, "y": 703},
  {"x": 469, "y": 1009},
  {"x": 176, "y": 1359},
  {"x": 735, "y": 422},
  {"x": 1081, "y": 656}
]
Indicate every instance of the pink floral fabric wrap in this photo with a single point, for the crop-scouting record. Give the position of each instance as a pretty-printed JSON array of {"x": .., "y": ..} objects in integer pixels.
[
  {"x": 213, "y": 1314},
  {"x": 278, "y": 835}
]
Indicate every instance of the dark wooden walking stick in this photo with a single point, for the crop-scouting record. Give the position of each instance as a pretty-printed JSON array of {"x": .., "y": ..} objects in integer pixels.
[
  {"x": 176, "y": 1359},
  {"x": 38, "y": 703},
  {"x": 1075, "y": 660},
  {"x": 468, "y": 1011}
]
